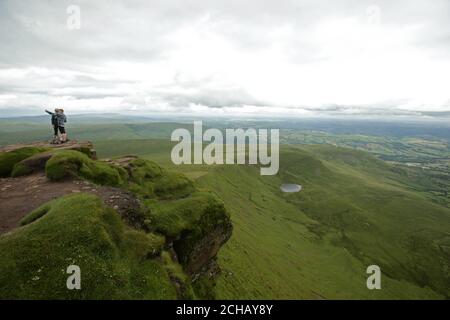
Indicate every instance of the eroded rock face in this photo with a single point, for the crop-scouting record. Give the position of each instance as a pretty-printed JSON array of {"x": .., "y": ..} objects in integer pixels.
[
  {"x": 126, "y": 204},
  {"x": 205, "y": 225},
  {"x": 196, "y": 251}
]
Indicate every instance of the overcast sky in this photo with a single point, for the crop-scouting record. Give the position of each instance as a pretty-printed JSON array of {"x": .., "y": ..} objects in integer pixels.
[{"x": 228, "y": 57}]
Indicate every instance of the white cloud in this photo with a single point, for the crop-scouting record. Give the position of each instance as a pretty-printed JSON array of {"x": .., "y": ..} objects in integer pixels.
[{"x": 227, "y": 57}]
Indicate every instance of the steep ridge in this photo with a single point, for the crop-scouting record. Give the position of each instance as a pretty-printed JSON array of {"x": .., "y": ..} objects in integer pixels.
[
  {"x": 353, "y": 211},
  {"x": 135, "y": 229}
]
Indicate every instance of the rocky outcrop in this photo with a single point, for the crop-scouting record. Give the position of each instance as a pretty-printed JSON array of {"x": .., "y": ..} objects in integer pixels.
[
  {"x": 83, "y": 146},
  {"x": 150, "y": 199},
  {"x": 22, "y": 159},
  {"x": 204, "y": 248}
]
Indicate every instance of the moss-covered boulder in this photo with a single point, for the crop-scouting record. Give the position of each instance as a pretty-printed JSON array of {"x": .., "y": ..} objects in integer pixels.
[
  {"x": 9, "y": 159},
  {"x": 116, "y": 262},
  {"x": 73, "y": 164},
  {"x": 195, "y": 223},
  {"x": 151, "y": 181},
  {"x": 37, "y": 161},
  {"x": 32, "y": 164},
  {"x": 199, "y": 225}
]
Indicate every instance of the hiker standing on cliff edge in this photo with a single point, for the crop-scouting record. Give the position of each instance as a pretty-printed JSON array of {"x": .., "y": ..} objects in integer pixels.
[{"x": 59, "y": 120}]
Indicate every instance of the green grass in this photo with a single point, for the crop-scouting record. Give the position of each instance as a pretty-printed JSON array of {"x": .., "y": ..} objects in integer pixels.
[
  {"x": 115, "y": 262},
  {"x": 188, "y": 220},
  {"x": 23, "y": 131},
  {"x": 349, "y": 215},
  {"x": 177, "y": 216},
  {"x": 178, "y": 276},
  {"x": 158, "y": 149},
  {"x": 149, "y": 180},
  {"x": 353, "y": 211},
  {"x": 72, "y": 164},
  {"x": 9, "y": 159},
  {"x": 176, "y": 209},
  {"x": 174, "y": 217},
  {"x": 20, "y": 169}
]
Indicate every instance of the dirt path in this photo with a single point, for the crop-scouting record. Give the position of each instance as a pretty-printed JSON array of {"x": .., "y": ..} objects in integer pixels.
[{"x": 19, "y": 196}]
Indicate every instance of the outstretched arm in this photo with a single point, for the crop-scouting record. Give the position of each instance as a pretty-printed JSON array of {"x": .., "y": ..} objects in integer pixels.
[{"x": 49, "y": 112}]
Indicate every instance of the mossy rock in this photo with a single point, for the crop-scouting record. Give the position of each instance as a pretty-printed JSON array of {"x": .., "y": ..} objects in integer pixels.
[
  {"x": 21, "y": 169},
  {"x": 144, "y": 245},
  {"x": 178, "y": 277},
  {"x": 9, "y": 159},
  {"x": 151, "y": 181},
  {"x": 73, "y": 164},
  {"x": 173, "y": 185},
  {"x": 142, "y": 170},
  {"x": 204, "y": 284},
  {"x": 79, "y": 229},
  {"x": 31, "y": 164},
  {"x": 37, "y": 161},
  {"x": 116, "y": 262},
  {"x": 198, "y": 225}
]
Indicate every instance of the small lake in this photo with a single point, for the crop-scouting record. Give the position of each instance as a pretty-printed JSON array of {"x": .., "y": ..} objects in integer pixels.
[{"x": 290, "y": 187}]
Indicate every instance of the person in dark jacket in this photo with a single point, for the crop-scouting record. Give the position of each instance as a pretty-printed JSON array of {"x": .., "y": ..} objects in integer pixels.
[{"x": 58, "y": 122}]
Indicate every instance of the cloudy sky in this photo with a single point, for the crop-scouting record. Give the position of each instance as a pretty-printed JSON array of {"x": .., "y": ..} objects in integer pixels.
[{"x": 227, "y": 57}]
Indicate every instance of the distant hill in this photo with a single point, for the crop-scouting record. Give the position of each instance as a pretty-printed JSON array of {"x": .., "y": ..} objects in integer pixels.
[{"x": 84, "y": 128}]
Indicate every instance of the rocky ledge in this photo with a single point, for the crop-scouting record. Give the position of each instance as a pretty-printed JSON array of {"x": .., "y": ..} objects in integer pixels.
[{"x": 168, "y": 229}]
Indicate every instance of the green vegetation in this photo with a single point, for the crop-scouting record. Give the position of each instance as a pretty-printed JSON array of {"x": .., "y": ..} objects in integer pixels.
[
  {"x": 20, "y": 169},
  {"x": 115, "y": 262},
  {"x": 159, "y": 149},
  {"x": 9, "y": 159},
  {"x": 71, "y": 164},
  {"x": 36, "y": 214},
  {"x": 421, "y": 157},
  {"x": 192, "y": 218},
  {"x": 150, "y": 180},
  {"x": 185, "y": 216},
  {"x": 178, "y": 276},
  {"x": 23, "y": 131},
  {"x": 174, "y": 217},
  {"x": 353, "y": 211},
  {"x": 401, "y": 149}
]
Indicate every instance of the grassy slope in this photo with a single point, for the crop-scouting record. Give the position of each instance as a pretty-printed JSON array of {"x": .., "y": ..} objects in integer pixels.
[
  {"x": 319, "y": 242},
  {"x": 78, "y": 229},
  {"x": 353, "y": 211}
]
